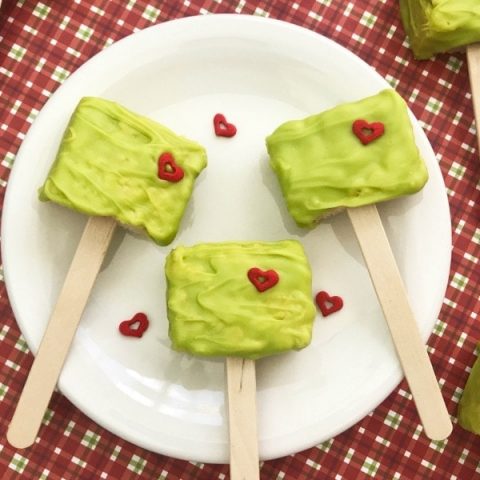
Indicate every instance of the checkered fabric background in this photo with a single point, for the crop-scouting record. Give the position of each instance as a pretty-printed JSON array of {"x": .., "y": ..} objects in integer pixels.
[{"x": 43, "y": 42}]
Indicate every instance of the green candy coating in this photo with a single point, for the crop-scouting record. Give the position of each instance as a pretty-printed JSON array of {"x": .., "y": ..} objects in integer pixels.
[
  {"x": 322, "y": 166},
  {"x": 435, "y": 26},
  {"x": 469, "y": 406},
  {"x": 106, "y": 165},
  {"x": 214, "y": 309}
]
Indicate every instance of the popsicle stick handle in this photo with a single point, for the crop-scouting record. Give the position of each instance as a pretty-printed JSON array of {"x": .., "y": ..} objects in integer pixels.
[
  {"x": 473, "y": 59},
  {"x": 48, "y": 363},
  {"x": 242, "y": 417},
  {"x": 404, "y": 330}
]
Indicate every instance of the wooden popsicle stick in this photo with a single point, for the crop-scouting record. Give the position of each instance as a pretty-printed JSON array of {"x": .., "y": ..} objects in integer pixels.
[
  {"x": 242, "y": 418},
  {"x": 48, "y": 363},
  {"x": 404, "y": 329},
  {"x": 473, "y": 60}
]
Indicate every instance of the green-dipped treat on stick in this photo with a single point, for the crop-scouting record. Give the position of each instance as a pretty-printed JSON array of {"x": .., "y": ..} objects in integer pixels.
[
  {"x": 469, "y": 406},
  {"x": 115, "y": 163},
  {"x": 436, "y": 26},
  {"x": 353, "y": 156},
  {"x": 242, "y": 301},
  {"x": 119, "y": 167}
]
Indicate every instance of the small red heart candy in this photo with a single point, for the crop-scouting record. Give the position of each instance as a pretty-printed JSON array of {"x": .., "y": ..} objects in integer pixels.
[
  {"x": 222, "y": 127},
  {"x": 263, "y": 279},
  {"x": 328, "y": 304},
  {"x": 135, "y": 327},
  {"x": 367, "y": 132},
  {"x": 168, "y": 169}
]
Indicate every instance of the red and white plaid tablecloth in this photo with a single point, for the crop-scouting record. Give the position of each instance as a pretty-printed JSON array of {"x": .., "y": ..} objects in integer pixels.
[{"x": 43, "y": 42}]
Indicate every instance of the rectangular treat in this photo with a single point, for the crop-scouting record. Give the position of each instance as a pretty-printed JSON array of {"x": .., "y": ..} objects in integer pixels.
[
  {"x": 435, "y": 26},
  {"x": 215, "y": 309},
  {"x": 113, "y": 162},
  {"x": 323, "y": 166},
  {"x": 468, "y": 413}
]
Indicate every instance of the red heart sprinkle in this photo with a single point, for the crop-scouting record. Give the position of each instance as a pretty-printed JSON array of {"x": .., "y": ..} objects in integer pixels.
[
  {"x": 135, "y": 327},
  {"x": 367, "y": 132},
  {"x": 328, "y": 304},
  {"x": 168, "y": 168},
  {"x": 263, "y": 279},
  {"x": 222, "y": 127}
]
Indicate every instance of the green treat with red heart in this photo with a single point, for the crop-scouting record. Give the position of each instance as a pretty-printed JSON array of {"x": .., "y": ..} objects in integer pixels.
[
  {"x": 245, "y": 299},
  {"x": 354, "y": 154},
  {"x": 113, "y": 162}
]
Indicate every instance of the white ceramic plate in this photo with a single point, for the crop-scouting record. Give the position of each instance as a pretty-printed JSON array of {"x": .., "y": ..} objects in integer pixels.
[{"x": 259, "y": 73}]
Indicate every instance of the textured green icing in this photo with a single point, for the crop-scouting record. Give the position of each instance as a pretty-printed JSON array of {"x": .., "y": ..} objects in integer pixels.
[
  {"x": 107, "y": 166},
  {"x": 322, "y": 166},
  {"x": 469, "y": 406},
  {"x": 435, "y": 26},
  {"x": 214, "y": 309}
]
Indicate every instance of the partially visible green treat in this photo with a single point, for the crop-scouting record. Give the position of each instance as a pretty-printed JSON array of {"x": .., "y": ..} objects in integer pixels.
[
  {"x": 107, "y": 165},
  {"x": 323, "y": 167},
  {"x": 435, "y": 26},
  {"x": 469, "y": 406},
  {"x": 214, "y": 309}
]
